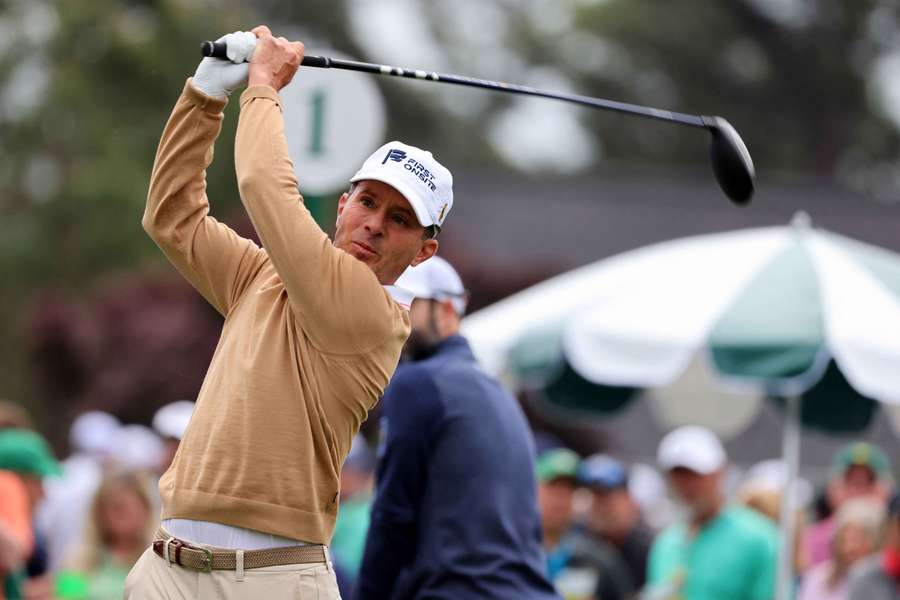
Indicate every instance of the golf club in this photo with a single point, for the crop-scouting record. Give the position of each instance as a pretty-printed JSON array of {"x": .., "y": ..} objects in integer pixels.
[{"x": 731, "y": 160}]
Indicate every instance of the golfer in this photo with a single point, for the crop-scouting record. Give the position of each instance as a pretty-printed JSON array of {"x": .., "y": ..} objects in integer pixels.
[
  {"x": 313, "y": 332},
  {"x": 455, "y": 514}
]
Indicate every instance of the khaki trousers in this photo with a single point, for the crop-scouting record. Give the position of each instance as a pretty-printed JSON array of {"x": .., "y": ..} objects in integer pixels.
[{"x": 152, "y": 579}]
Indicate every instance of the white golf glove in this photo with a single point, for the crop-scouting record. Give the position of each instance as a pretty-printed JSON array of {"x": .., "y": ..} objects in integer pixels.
[{"x": 218, "y": 78}]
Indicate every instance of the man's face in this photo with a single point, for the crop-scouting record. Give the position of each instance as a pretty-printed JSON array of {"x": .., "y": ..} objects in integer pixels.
[
  {"x": 34, "y": 487},
  {"x": 555, "y": 502},
  {"x": 852, "y": 543},
  {"x": 859, "y": 481},
  {"x": 892, "y": 540},
  {"x": 610, "y": 509},
  {"x": 698, "y": 492},
  {"x": 429, "y": 321},
  {"x": 377, "y": 225}
]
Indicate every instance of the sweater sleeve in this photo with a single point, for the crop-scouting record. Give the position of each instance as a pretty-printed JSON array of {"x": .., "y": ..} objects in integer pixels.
[
  {"x": 213, "y": 258},
  {"x": 410, "y": 423},
  {"x": 341, "y": 304}
]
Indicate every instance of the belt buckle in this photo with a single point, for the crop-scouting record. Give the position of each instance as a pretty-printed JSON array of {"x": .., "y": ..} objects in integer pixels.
[{"x": 208, "y": 558}]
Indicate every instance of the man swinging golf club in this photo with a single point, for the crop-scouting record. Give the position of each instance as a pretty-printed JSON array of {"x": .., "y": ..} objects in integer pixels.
[{"x": 312, "y": 333}]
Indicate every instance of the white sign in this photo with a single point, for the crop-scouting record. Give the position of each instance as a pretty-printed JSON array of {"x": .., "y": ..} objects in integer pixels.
[{"x": 333, "y": 121}]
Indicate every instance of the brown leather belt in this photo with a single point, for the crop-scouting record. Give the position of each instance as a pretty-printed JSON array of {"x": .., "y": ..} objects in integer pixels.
[{"x": 202, "y": 559}]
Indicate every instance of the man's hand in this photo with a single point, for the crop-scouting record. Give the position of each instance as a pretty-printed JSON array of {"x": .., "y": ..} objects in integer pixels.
[
  {"x": 275, "y": 60},
  {"x": 218, "y": 78}
]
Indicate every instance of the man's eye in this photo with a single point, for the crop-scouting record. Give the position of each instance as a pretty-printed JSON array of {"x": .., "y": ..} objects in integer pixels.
[
  {"x": 400, "y": 220},
  {"x": 367, "y": 202}
]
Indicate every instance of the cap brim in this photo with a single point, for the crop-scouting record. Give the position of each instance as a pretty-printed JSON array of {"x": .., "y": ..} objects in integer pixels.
[
  {"x": 547, "y": 478},
  {"x": 603, "y": 484},
  {"x": 696, "y": 468},
  {"x": 417, "y": 205},
  {"x": 51, "y": 468}
]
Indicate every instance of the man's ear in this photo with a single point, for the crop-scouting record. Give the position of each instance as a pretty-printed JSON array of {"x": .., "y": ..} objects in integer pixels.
[
  {"x": 429, "y": 248},
  {"x": 342, "y": 201}
]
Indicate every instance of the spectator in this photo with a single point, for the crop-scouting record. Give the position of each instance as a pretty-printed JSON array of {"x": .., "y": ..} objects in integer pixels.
[
  {"x": 860, "y": 470},
  {"x": 25, "y": 460},
  {"x": 580, "y": 566},
  {"x": 170, "y": 422},
  {"x": 62, "y": 515},
  {"x": 615, "y": 516},
  {"x": 455, "y": 513},
  {"x": 878, "y": 577},
  {"x": 719, "y": 551},
  {"x": 14, "y": 416},
  {"x": 16, "y": 533},
  {"x": 120, "y": 527},
  {"x": 556, "y": 472},
  {"x": 858, "y": 526},
  {"x": 762, "y": 490}
]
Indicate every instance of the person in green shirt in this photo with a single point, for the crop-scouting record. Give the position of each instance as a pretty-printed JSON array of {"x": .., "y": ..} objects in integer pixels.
[{"x": 718, "y": 551}]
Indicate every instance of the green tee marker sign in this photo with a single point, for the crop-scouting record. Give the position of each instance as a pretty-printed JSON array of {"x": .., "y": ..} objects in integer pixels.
[
  {"x": 318, "y": 122},
  {"x": 333, "y": 120}
]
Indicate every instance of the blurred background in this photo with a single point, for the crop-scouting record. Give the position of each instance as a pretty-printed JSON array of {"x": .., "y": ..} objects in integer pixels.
[{"x": 93, "y": 318}]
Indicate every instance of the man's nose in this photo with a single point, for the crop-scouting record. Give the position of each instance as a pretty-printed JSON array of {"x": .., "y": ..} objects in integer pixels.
[{"x": 375, "y": 224}]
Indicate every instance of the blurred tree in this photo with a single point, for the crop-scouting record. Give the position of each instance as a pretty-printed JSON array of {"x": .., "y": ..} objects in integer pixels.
[
  {"x": 804, "y": 81},
  {"x": 127, "y": 348}
]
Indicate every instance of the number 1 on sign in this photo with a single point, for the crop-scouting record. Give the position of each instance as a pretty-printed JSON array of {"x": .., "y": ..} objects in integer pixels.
[{"x": 318, "y": 123}]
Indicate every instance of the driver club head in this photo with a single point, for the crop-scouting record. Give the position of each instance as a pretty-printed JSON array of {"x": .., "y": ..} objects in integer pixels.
[{"x": 731, "y": 161}]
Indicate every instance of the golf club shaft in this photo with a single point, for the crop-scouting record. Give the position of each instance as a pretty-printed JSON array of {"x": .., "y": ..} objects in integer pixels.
[{"x": 218, "y": 50}]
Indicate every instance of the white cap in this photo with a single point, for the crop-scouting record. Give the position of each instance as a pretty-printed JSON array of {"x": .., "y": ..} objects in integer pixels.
[
  {"x": 423, "y": 181},
  {"x": 172, "y": 419},
  {"x": 92, "y": 432},
  {"x": 435, "y": 279},
  {"x": 137, "y": 447},
  {"x": 693, "y": 448}
]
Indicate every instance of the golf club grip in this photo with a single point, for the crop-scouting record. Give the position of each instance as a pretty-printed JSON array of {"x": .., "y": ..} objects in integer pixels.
[{"x": 220, "y": 50}]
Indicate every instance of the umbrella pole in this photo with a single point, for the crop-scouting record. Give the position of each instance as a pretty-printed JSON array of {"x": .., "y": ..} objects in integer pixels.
[{"x": 788, "y": 516}]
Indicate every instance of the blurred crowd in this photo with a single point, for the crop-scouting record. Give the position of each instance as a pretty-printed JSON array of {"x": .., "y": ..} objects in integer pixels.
[
  {"x": 692, "y": 526},
  {"x": 698, "y": 529},
  {"x": 72, "y": 529}
]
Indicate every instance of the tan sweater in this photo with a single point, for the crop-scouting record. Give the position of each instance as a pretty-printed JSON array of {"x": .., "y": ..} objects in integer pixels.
[{"x": 310, "y": 338}]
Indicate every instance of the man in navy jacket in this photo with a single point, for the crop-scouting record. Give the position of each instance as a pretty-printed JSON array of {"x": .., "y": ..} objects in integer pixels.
[{"x": 455, "y": 514}]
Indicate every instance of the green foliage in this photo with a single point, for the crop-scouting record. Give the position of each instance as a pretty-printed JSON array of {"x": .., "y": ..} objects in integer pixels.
[{"x": 76, "y": 163}]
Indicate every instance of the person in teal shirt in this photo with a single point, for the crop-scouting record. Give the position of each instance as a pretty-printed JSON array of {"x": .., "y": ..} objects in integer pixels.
[{"x": 719, "y": 551}]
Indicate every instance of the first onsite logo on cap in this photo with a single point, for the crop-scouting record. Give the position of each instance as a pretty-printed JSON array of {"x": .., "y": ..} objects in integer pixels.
[
  {"x": 394, "y": 155},
  {"x": 412, "y": 165}
]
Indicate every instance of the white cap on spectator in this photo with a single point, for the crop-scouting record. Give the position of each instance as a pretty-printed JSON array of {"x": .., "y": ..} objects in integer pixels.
[
  {"x": 435, "y": 279},
  {"x": 693, "y": 448},
  {"x": 92, "y": 432},
  {"x": 136, "y": 447},
  {"x": 172, "y": 420}
]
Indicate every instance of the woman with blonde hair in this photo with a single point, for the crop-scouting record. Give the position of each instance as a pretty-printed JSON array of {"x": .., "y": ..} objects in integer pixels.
[
  {"x": 857, "y": 535},
  {"x": 120, "y": 526}
]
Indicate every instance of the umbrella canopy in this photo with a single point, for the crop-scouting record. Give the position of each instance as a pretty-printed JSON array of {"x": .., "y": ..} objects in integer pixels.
[{"x": 778, "y": 306}]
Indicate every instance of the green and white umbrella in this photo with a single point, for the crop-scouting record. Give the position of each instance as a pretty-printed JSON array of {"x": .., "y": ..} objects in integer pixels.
[{"x": 771, "y": 306}]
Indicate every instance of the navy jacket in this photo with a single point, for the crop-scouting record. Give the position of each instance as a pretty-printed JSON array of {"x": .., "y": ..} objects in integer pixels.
[{"x": 455, "y": 513}]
